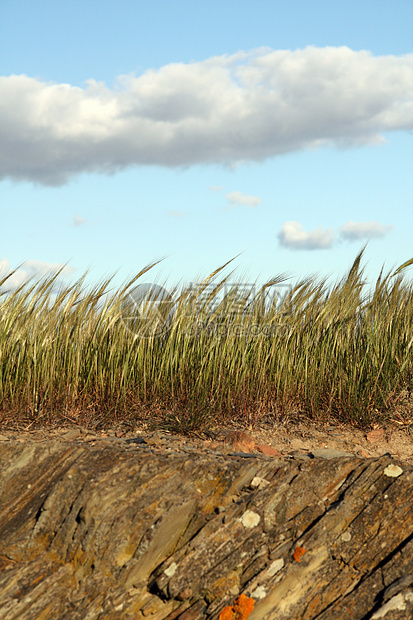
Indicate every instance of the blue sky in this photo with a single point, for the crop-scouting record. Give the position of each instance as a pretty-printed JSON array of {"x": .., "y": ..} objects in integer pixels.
[{"x": 197, "y": 131}]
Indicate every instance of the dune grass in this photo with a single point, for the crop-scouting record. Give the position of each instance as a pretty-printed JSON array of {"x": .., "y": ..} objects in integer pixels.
[{"x": 341, "y": 352}]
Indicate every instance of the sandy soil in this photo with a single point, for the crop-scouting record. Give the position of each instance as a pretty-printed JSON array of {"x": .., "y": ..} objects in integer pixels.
[
  {"x": 307, "y": 436},
  {"x": 290, "y": 438}
]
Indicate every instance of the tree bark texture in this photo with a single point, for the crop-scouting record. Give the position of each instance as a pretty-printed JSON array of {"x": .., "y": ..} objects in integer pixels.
[{"x": 113, "y": 531}]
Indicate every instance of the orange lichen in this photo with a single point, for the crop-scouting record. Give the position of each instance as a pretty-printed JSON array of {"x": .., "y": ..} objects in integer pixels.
[
  {"x": 298, "y": 554},
  {"x": 227, "y": 614},
  {"x": 240, "y": 610}
]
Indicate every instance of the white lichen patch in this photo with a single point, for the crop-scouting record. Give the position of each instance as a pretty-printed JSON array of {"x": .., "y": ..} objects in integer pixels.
[
  {"x": 250, "y": 519},
  {"x": 398, "y": 603},
  {"x": 259, "y": 593},
  {"x": 275, "y": 566},
  {"x": 393, "y": 471},
  {"x": 171, "y": 570},
  {"x": 259, "y": 483}
]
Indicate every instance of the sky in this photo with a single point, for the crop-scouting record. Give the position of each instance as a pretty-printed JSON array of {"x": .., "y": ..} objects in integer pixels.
[{"x": 276, "y": 133}]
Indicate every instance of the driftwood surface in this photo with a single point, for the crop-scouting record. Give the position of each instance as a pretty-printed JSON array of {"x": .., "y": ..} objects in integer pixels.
[{"x": 114, "y": 531}]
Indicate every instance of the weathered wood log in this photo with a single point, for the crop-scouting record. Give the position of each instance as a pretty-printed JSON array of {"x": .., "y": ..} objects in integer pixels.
[{"x": 114, "y": 531}]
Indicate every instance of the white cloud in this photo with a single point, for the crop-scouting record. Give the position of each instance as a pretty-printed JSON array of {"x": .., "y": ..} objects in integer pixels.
[
  {"x": 354, "y": 231},
  {"x": 78, "y": 220},
  {"x": 225, "y": 110},
  {"x": 29, "y": 269},
  {"x": 216, "y": 188},
  {"x": 292, "y": 235},
  {"x": 176, "y": 213},
  {"x": 237, "y": 198}
]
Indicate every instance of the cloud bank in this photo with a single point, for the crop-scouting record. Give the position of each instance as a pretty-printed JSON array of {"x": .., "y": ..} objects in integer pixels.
[
  {"x": 293, "y": 236},
  {"x": 31, "y": 269},
  {"x": 353, "y": 231},
  {"x": 248, "y": 106}
]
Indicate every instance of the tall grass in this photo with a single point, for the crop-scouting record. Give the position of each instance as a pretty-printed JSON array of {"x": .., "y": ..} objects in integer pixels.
[{"x": 342, "y": 352}]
